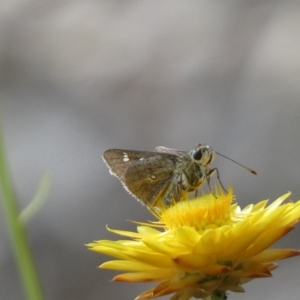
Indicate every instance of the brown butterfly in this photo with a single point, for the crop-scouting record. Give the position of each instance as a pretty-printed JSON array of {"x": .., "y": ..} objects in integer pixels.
[{"x": 163, "y": 176}]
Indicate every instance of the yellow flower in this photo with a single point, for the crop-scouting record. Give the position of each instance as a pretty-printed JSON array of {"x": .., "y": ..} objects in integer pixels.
[{"x": 205, "y": 246}]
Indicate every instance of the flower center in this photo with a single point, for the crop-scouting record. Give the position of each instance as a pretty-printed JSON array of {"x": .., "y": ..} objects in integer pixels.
[{"x": 201, "y": 213}]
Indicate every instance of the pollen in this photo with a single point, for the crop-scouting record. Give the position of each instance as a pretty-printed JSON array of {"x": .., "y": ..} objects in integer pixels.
[{"x": 206, "y": 211}]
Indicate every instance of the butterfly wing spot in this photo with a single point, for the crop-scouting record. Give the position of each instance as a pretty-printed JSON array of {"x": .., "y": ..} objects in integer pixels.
[{"x": 125, "y": 157}]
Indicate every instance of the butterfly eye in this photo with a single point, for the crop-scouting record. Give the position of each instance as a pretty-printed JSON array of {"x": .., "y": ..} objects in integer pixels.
[{"x": 197, "y": 155}]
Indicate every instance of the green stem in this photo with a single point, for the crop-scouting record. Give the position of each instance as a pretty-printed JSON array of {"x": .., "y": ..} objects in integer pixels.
[
  {"x": 37, "y": 201},
  {"x": 27, "y": 270}
]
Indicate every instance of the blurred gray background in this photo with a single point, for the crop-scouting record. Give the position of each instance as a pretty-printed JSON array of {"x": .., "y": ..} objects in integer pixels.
[{"x": 79, "y": 77}]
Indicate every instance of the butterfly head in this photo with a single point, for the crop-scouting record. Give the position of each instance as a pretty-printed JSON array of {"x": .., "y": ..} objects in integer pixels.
[{"x": 203, "y": 155}]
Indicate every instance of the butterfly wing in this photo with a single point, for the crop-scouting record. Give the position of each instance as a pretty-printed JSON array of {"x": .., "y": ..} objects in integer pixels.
[
  {"x": 146, "y": 175},
  {"x": 162, "y": 149}
]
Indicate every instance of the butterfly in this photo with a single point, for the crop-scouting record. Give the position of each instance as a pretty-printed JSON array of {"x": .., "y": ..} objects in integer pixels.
[{"x": 164, "y": 176}]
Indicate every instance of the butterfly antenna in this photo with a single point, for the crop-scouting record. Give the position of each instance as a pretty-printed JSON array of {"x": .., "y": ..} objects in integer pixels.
[{"x": 248, "y": 169}]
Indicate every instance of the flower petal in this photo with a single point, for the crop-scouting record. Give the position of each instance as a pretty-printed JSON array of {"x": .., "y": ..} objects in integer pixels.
[
  {"x": 187, "y": 236},
  {"x": 148, "y": 231},
  {"x": 251, "y": 270},
  {"x": 151, "y": 275},
  {"x": 175, "y": 284},
  {"x": 150, "y": 258},
  {"x": 192, "y": 261},
  {"x": 274, "y": 254},
  {"x": 266, "y": 239},
  {"x": 166, "y": 248},
  {"x": 126, "y": 265}
]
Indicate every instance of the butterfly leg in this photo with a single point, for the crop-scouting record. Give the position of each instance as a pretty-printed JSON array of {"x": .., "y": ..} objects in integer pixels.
[{"x": 211, "y": 172}]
